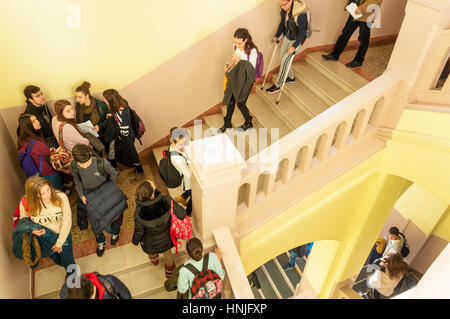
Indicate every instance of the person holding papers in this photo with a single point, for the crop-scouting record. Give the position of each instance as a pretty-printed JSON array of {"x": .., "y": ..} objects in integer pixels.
[{"x": 361, "y": 15}]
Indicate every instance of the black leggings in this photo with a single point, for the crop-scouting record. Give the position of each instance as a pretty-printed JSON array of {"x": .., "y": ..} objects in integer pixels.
[
  {"x": 242, "y": 107},
  {"x": 187, "y": 194}
]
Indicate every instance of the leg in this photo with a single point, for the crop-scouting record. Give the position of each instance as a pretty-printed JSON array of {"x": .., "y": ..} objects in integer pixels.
[
  {"x": 285, "y": 59},
  {"x": 364, "y": 38},
  {"x": 245, "y": 112},
  {"x": 189, "y": 207},
  {"x": 101, "y": 243},
  {"x": 154, "y": 258},
  {"x": 82, "y": 220},
  {"x": 374, "y": 255},
  {"x": 115, "y": 229},
  {"x": 228, "y": 117},
  {"x": 345, "y": 36},
  {"x": 183, "y": 198},
  {"x": 187, "y": 194},
  {"x": 169, "y": 263},
  {"x": 66, "y": 256}
]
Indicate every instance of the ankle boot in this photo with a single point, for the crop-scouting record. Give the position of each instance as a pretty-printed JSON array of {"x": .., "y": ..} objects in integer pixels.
[
  {"x": 244, "y": 127},
  {"x": 226, "y": 124},
  {"x": 169, "y": 270}
]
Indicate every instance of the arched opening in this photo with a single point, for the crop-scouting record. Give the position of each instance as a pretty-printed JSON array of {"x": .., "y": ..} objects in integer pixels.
[
  {"x": 260, "y": 188},
  {"x": 375, "y": 116},
  {"x": 244, "y": 195},
  {"x": 357, "y": 126},
  {"x": 301, "y": 160},
  {"x": 318, "y": 150},
  {"x": 338, "y": 138},
  {"x": 281, "y": 175},
  {"x": 443, "y": 77}
]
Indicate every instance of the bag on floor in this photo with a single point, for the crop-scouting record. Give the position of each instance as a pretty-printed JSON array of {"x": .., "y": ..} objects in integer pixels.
[
  {"x": 168, "y": 172},
  {"x": 207, "y": 283},
  {"x": 179, "y": 228},
  {"x": 27, "y": 163},
  {"x": 60, "y": 157}
]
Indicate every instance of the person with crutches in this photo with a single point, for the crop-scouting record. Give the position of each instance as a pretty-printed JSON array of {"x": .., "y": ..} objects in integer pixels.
[{"x": 293, "y": 26}]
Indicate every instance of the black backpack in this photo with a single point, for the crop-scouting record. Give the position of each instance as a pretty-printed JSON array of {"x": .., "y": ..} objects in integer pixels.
[
  {"x": 168, "y": 172},
  {"x": 405, "y": 248}
]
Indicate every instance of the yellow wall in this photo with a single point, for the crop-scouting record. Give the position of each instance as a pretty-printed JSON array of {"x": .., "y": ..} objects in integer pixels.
[
  {"x": 353, "y": 208},
  {"x": 117, "y": 41}
]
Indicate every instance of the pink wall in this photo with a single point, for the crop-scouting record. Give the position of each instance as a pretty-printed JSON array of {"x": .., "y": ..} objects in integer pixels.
[{"x": 14, "y": 274}]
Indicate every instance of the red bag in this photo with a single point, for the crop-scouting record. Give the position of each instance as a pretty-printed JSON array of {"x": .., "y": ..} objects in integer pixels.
[
  {"x": 60, "y": 158},
  {"x": 16, "y": 215},
  {"x": 179, "y": 228}
]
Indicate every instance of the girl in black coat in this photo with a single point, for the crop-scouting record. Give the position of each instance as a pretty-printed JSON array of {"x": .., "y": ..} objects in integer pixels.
[{"x": 152, "y": 221}]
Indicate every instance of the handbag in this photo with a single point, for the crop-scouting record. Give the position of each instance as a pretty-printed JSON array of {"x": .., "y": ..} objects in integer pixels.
[
  {"x": 179, "y": 228},
  {"x": 60, "y": 157},
  {"x": 95, "y": 142}
]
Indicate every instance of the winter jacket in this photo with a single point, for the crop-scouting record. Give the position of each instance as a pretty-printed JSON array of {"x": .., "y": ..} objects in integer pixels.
[
  {"x": 298, "y": 10},
  {"x": 240, "y": 82},
  {"x": 104, "y": 204},
  {"x": 152, "y": 223},
  {"x": 102, "y": 110},
  {"x": 363, "y": 6},
  {"x": 116, "y": 289}
]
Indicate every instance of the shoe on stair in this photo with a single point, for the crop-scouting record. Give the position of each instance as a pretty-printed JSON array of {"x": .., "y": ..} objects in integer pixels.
[
  {"x": 329, "y": 57},
  {"x": 353, "y": 64},
  {"x": 100, "y": 249},
  {"x": 272, "y": 89},
  {"x": 114, "y": 239},
  {"x": 180, "y": 199}
]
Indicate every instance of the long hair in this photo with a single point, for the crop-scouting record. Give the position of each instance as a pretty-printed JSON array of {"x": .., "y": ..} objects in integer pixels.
[
  {"x": 243, "y": 34},
  {"x": 27, "y": 131},
  {"x": 396, "y": 266},
  {"x": 33, "y": 187},
  {"x": 59, "y": 108},
  {"x": 115, "y": 100}
]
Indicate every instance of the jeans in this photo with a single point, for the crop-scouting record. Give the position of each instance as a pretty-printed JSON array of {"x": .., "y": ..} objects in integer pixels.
[
  {"x": 364, "y": 37},
  {"x": 114, "y": 229},
  {"x": 65, "y": 258}
]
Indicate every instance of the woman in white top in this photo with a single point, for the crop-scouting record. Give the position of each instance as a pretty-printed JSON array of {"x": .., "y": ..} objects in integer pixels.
[
  {"x": 50, "y": 209},
  {"x": 384, "y": 282},
  {"x": 179, "y": 137},
  {"x": 71, "y": 134},
  {"x": 244, "y": 49}
]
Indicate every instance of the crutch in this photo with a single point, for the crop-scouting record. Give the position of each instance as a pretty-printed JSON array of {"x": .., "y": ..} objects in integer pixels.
[
  {"x": 291, "y": 59},
  {"x": 270, "y": 63}
]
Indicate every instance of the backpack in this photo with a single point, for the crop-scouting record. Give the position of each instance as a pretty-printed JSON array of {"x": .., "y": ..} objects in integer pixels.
[
  {"x": 259, "y": 67},
  {"x": 60, "y": 157},
  {"x": 16, "y": 215},
  {"x": 405, "y": 248},
  {"x": 137, "y": 124},
  {"x": 108, "y": 287},
  {"x": 293, "y": 26},
  {"x": 27, "y": 163},
  {"x": 100, "y": 166},
  {"x": 179, "y": 228},
  {"x": 207, "y": 283},
  {"x": 168, "y": 172}
]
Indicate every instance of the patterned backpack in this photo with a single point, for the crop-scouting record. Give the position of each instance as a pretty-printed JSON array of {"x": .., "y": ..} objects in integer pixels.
[
  {"x": 179, "y": 228},
  {"x": 207, "y": 283},
  {"x": 60, "y": 158}
]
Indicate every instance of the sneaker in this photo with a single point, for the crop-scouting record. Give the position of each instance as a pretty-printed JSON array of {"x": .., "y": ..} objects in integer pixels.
[
  {"x": 289, "y": 80},
  {"x": 114, "y": 239},
  {"x": 288, "y": 267},
  {"x": 100, "y": 249},
  {"x": 272, "y": 89},
  {"x": 329, "y": 57}
]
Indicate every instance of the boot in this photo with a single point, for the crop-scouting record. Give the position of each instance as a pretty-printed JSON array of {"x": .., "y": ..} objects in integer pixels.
[
  {"x": 180, "y": 199},
  {"x": 154, "y": 258},
  {"x": 226, "y": 124},
  {"x": 244, "y": 127}
]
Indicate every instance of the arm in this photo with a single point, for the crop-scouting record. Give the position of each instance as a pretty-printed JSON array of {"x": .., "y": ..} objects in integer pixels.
[
  {"x": 281, "y": 27},
  {"x": 302, "y": 22},
  {"x": 363, "y": 7},
  {"x": 110, "y": 170},
  {"x": 183, "y": 281},
  {"x": 66, "y": 220},
  {"x": 139, "y": 229},
  {"x": 77, "y": 181},
  {"x": 181, "y": 165}
]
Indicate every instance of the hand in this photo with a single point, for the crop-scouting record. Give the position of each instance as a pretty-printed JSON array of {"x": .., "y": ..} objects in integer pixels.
[
  {"x": 225, "y": 68},
  {"x": 357, "y": 11},
  {"x": 83, "y": 199},
  {"x": 96, "y": 128},
  {"x": 38, "y": 232},
  {"x": 291, "y": 50},
  {"x": 108, "y": 115},
  {"x": 56, "y": 249}
]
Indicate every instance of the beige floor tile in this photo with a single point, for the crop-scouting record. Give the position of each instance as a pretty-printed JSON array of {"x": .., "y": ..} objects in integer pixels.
[
  {"x": 112, "y": 261},
  {"x": 134, "y": 255},
  {"x": 147, "y": 278},
  {"x": 49, "y": 280}
]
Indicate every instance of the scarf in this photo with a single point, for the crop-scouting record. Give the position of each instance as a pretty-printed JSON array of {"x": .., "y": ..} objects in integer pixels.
[{"x": 91, "y": 110}]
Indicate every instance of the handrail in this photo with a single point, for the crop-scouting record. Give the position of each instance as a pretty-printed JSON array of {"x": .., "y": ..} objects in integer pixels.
[{"x": 233, "y": 265}]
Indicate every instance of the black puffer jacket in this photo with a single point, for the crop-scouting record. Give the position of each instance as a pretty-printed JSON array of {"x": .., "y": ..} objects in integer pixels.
[{"x": 152, "y": 223}]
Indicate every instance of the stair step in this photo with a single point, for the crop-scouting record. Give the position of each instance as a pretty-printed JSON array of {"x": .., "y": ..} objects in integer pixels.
[
  {"x": 278, "y": 279},
  {"x": 265, "y": 116},
  {"x": 174, "y": 192},
  {"x": 319, "y": 83},
  {"x": 287, "y": 108},
  {"x": 238, "y": 120},
  {"x": 292, "y": 274},
  {"x": 216, "y": 121},
  {"x": 336, "y": 71},
  {"x": 301, "y": 262},
  {"x": 305, "y": 98},
  {"x": 266, "y": 288}
]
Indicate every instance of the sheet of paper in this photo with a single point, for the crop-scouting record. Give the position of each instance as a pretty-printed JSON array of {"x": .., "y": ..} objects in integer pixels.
[
  {"x": 351, "y": 8},
  {"x": 86, "y": 127}
]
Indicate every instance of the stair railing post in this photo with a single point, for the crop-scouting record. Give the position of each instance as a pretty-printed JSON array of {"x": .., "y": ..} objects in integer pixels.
[{"x": 217, "y": 168}]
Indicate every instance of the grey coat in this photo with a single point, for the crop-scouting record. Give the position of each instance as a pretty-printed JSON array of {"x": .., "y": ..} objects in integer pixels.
[{"x": 240, "y": 82}]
